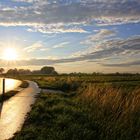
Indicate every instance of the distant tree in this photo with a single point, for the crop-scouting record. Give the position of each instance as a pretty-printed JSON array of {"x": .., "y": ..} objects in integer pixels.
[
  {"x": 44, "y": 70},
  {"x": 48, "y": 70},
  {"x": 18, "y": 71},
  {"x": 12, "y": 71},
  {"x": 117, "y": 73},
  {"x": 24, "y": 71},
  {"x": 1, "y": 70},
  {"x": 36, "y": 72}
]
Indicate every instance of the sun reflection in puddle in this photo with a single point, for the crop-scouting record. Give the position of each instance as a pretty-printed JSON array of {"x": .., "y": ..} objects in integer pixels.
[{"x": 10, "y": 84}]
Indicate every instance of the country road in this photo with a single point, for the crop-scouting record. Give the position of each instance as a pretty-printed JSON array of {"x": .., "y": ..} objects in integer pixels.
[{"x": 15, "y": 109}]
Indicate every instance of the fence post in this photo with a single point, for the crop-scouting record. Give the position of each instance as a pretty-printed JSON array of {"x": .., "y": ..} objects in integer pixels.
[{"x": 3, "y": 87}]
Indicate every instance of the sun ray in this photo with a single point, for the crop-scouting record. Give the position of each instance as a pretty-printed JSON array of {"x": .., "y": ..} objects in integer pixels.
[{"x": 10, "y": 54}]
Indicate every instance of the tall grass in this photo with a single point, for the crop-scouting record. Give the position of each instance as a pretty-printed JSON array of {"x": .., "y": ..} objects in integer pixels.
[
  {"x": 89, "y": 110},
  {"x": 116, "y": 110}
]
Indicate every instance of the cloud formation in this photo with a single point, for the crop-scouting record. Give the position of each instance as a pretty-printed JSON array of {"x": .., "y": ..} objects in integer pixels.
[
  {"x": 61, "y": 45},
  {"x": 37, "y": 46},
  {"x": 42, "y": 14},
  {"x": 56, "y": 28},
  {"x": 99, "y": 36},
  {"x": 126, "y": 64},
  {"x": 109, "y": 49}
]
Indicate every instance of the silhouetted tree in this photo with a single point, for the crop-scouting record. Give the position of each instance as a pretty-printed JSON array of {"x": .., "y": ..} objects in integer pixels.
[
  {"x": 18, "y": 71},
  {"x": 44, "y": 70},
  {"x": 36, "y": 72},
  {"x": 24, "y": 71},
  {"x": 12, "y": 71},
  {"x": 48, "y": 70},
  {"x": 1, "y": 70}
]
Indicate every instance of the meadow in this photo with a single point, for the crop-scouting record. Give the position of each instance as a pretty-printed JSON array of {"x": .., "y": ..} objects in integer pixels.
[{"x": 100, "y": 107}]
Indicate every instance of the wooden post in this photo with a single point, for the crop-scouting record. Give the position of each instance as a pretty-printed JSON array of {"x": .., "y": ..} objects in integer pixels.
[
  {"x": 3, "y": 92},
  {"x": 3, "y": 87}
]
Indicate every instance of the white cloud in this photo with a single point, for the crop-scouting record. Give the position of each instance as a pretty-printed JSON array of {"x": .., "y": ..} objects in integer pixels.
[
  {"x": 40, "y": 13},
  {"x": 61, "y": 45},
  {"x": 109, "y": 47},
  {"x": 28, "y": 1},
  {"x": 99, "y": 36},
  {"x": 95, "y": 41},
  {"x": 38, "y": 46},
  {"x": 56, "y": 29}
]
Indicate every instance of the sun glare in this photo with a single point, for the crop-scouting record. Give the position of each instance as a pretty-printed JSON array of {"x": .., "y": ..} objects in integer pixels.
[{"x": 10, "y": 54}]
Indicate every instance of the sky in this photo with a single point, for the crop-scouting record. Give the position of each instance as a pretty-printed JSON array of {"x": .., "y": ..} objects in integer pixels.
[{"x": 72, "y": 35}]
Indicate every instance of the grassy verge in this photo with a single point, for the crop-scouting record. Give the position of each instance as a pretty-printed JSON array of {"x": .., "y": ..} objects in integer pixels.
[
  {"x": 8, "y": 95},
  {"x": 58, "y": 117},
  {"x": 100, "y": 112},
  {"x": 24, "y": 84}
]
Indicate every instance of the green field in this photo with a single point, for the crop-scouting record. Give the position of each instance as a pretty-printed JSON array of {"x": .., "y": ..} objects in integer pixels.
[{"x": 93, "y": 107}]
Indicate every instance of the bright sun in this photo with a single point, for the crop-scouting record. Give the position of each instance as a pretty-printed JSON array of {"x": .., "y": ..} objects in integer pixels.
[{"x": 10, "y": 54}]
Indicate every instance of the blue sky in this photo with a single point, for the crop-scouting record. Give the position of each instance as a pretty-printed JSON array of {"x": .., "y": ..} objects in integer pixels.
[{"x": 72, "y": 35}]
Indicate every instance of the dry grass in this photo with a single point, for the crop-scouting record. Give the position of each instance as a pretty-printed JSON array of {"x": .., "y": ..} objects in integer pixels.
[
  {"x": 116, "y": 110},
  {"x": 94, "y": 108}
]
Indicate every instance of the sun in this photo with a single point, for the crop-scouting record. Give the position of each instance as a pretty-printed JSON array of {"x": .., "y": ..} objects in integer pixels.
[{"x": 10, "y": 54}]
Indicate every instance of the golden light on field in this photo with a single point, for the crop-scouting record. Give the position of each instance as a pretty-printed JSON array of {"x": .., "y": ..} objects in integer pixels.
[{"x": 10, "y": 54}]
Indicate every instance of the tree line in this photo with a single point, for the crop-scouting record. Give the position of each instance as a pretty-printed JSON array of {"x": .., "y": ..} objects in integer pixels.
[
  {"x": 44, "y": 70},
  {"x": 51, "y": 71}
]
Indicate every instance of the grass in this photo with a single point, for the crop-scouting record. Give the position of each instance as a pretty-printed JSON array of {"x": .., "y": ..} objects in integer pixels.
[
  {"x": 117, "y": 110},
  {"x": 58, "y": 117},
  {"x": 24, "y": 84},
  {"x": 88, "y": 110},
  {"x": 91, "y": 78},
  {"x": 8, "y": 95},
  {"x": 70, "y": 83}
]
